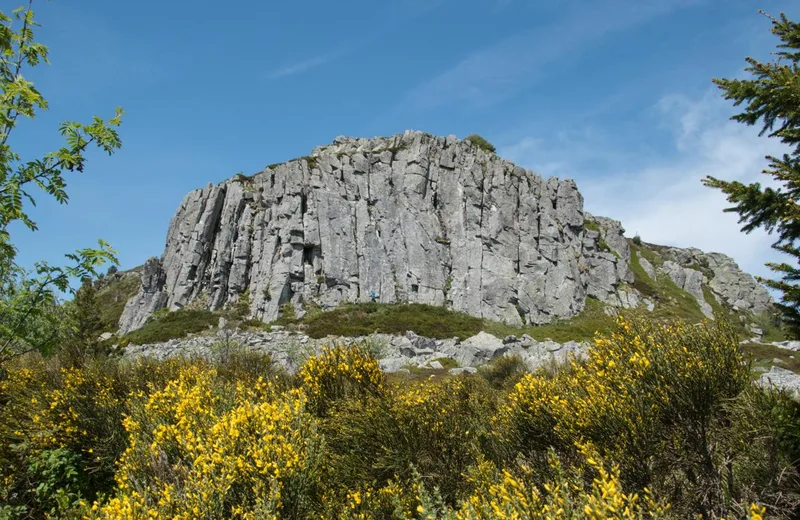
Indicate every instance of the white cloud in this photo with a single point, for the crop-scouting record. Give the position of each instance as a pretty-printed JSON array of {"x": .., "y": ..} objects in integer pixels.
[{"x": 662, "y": 198}]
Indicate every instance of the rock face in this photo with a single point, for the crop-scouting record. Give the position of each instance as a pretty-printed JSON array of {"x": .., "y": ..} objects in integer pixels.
[
  {"x": 690, "y": 281},
  {"x": 412, "y": 218},
  {"x": 729, "y": 284},
  {"x": 151, "y": 297}
]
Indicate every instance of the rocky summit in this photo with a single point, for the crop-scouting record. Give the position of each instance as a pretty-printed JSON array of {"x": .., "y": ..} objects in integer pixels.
[{"x": 414, "y": 218}]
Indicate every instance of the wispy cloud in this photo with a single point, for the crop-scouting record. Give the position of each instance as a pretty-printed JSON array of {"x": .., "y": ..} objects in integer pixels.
[
  {"x": 402, "y": 12},
  {"x": 308, "y": 64},
  {"x": 661, "y": 197},
  {"x": 492, "y": 74}
]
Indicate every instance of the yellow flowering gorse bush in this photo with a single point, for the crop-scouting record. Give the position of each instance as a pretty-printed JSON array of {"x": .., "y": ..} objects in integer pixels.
[
  {"x": 632, "y": 382},
  {"x": 203, "y": 449},
  {"x": 340, "y": 372},
  {"x": 501, "y": 495}
]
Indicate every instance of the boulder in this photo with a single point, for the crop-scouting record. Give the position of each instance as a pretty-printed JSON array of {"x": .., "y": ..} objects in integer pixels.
[
  {"x": 462, "y": 371},
  {"x": 478, "y": 349},
  {"x": 393, "y": 364},
  {"x": 781, "y": 378}
]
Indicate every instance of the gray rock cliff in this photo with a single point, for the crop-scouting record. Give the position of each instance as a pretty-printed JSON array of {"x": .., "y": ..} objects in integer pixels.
[{"x": 411, "y": 218}]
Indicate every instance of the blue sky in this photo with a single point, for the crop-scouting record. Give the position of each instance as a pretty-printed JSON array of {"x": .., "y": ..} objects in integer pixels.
[{"x": 615, "y": 94}]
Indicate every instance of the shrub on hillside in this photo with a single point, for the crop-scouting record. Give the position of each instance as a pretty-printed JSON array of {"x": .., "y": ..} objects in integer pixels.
[
  {"x": 503, "y": 372},
  {"x": 481, "y": 143},
  {"x": 60, "y": 428},
  {"x": 651, "y": 398},
  {"x": 591, "y": 490},
  {"x": 435, "y": 427},
  {"x": 340, "y": 372},
  {"x": 112, "y": 297},
  {"x": 206, "y": 448}
]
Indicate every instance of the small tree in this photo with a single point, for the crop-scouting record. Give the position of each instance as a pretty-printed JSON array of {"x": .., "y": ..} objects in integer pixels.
[
  {"x": 87, "y": 324},
  {"x": 23, "y": 295},
  {"x": 772, "y": 99}
]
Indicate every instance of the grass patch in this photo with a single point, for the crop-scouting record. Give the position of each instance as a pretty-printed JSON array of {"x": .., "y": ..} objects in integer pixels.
[
  {"x": 113, "y": 296},
  {"x": 641, "y": 280},
  {"x": 392, "y": 149},
  {"x": 253, "y": 325},
  {"x": 770, "y": 326},
  {"x": 591, "y": 225},
  {"x": 244, "y": 179},
  {"x": 173, "y": 325},
  {"x": 765, "y": 355},
  {"x": 671, "y": 301},
  {"x": 417, "y": 375},
  {"x": 503, "y": 372},
  {"x": 440, "y": 323},
  {"x": 648, "y": 254},
  {"x": 584, "y": 326},
  {"x": 365, "y": 318},
  {"x": 311, "y": 161}
]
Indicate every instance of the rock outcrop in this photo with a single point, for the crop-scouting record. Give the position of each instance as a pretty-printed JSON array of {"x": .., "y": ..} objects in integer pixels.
[
  {"x": 289, "y": 350},
  {"x": 729, "y": 284},
  {"x": 412, "y": 218}
]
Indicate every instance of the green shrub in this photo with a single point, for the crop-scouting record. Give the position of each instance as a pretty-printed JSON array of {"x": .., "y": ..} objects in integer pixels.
[
  {"x": 242, "y": 307},
  {"x": 287, "y": 315},
  {"x": 60, "y": 428},
  {"x": 503, "y": 372},
  {"x": 637, "y": 240},
  {"x": 244, "y": 179},
  {"x": 435, "y": 427},
  {"x": 311, "y": 161},
  {"x": 671, "y": 405},
  {"x": 757, "y": 441},
  {"x": 481, "y": 143},
  {"x": 202, "y": 447},
  {"x": 254, "y": 324},
  {"x": 171, "y": 325}
]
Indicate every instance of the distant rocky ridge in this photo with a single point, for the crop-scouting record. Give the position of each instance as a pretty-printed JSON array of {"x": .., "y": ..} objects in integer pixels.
[{"x": 412, "y": 218}]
